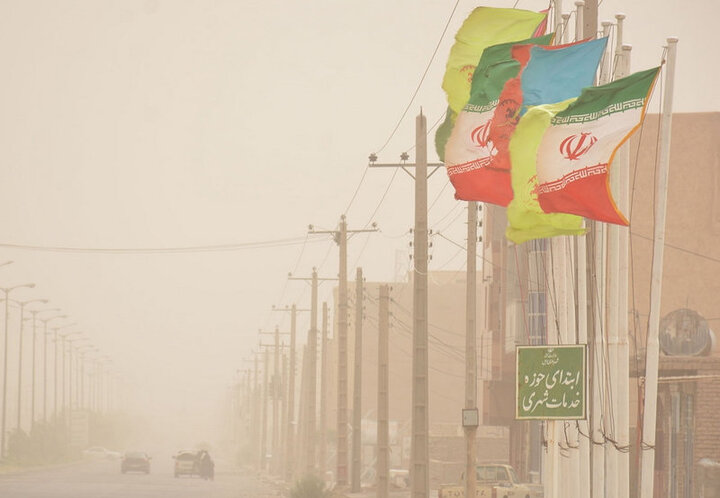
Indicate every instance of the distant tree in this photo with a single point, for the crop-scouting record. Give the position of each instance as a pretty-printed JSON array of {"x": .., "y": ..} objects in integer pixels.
[{"x": 309, "y": 486}]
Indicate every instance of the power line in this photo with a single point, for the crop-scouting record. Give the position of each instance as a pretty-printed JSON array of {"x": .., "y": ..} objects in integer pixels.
[
  {"x": 422, "y": 78},
  {"x": 163, "y": 250},
  {"x": 678, "y": 248}
]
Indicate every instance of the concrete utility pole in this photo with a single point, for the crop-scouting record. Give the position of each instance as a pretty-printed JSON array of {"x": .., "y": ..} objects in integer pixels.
[
  {"x": 283, "y": 413},
  {"x": 322, "y": 455},
  {"x": 340, "y": 236},
  {"x": 471, "y": 408},
  {"x": 276, "y": 402},
  {"x": 357, "y": 387},
  {"x": 263, "y": 437},
  {"x": 290, "y": 421},
  {"x": 311, "y": 358},
  {"x": 275, "y": 389},
  {"x": 256, "y": 415},
  {"x": 420, "y": 459},
  {"x": 302, "y": 406},
  {"x": 383, "y": 415}
]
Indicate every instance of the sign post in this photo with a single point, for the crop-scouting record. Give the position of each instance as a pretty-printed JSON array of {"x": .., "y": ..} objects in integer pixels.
[{"x": 550, "y": 382}]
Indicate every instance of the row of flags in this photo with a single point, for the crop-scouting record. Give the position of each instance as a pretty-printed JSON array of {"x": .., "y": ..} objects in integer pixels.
[{"x": 526, "y": 129}]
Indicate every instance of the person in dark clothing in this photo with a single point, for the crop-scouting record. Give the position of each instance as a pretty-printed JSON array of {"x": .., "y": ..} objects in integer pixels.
[{"x": 207, "y": 466}]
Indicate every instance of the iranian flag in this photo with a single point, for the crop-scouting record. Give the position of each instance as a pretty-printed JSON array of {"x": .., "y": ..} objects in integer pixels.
[
  {"x": 484, "y": 27},
  {"x": 577, "y": 150},
  {"x": 469, "y": 150}
]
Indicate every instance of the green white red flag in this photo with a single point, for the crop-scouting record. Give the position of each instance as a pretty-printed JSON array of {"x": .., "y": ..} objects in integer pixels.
[{"x": 577, "y": 150}]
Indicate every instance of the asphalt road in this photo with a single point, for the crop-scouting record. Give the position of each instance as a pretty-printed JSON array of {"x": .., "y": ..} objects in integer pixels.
[{"x": 102, "y": 479}]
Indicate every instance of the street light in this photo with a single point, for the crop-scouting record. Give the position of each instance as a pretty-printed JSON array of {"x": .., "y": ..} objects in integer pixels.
[
  {"x": 63, "y": 338},
  {"x": 81, "y": 376},
  {"x": 22, "y": 305},
  {"x": 45, "y": 334},
  {"x": 34, "y": 314},
  {"x": 70, "y": 361},
  {"x": 55, "y": 366},
  {"x": 7, "y": 291},
  {"x": 104, "y": 391},
  {"x": 97, "y": 385}
]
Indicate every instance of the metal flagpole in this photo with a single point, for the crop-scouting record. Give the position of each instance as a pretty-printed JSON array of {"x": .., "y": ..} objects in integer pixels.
[
  {"x": 623, "y": 367},
  {"x": 653, "y": 346}
]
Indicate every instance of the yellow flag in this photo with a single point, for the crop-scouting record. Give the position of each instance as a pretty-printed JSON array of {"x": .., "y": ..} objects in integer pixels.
[
  {"x": 484, "y": 26},
  {"x": 526, "y": 219}
]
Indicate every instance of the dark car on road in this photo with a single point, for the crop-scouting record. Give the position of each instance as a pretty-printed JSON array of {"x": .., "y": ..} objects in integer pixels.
[{"x": 135, "y": 461}]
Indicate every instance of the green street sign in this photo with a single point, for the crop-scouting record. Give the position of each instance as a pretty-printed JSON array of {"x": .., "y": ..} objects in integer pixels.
[{"x": 550, "y": 382}]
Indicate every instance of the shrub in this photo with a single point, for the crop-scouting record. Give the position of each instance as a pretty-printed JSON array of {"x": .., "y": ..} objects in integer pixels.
[{"x": 309, "y": 486}]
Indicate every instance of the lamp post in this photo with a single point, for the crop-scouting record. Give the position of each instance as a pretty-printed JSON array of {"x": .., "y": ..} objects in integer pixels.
[
  {"x": 100, "y": 390},
  {"x": 22, "y": 305},
  {"x": 81, "y": 373},
  {"x": 55, "y": 367},
  {"x": 45, "y": 364},
  {"x": 7, "y": 291},
  {"x": 65, "y": 402},
  {"x": 70, "y": 360},
  {"x": 34, "y": 314}
]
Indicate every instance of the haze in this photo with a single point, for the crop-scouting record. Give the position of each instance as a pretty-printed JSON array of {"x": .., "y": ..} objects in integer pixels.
[{"x": 170, "y": 124}]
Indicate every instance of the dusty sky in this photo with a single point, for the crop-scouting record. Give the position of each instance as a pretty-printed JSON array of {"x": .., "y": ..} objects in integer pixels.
[{"x": 175, "y": 123}]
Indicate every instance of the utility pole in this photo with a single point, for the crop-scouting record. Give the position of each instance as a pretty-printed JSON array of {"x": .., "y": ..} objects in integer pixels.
[
  {"x": 471, "y": 417},
  {"x": 311, "y": 358},
  {"x": 290, "y": 421},
  {"x": 312, "y": 377},
  {"x": 383, "y": 435},
  {"x": 302, "y": 406},
  {"x": 276, "y": 403},
  {"x": 323, "y": 391},
  {"x": 256, "y": 415},
  {"x": 283, "y": 408},
  {"x": 420, "y": 460},
  {"x": 275, "y": 391},
  {"x": 355, "y": 486},
  {"x": 263, "y": 437},
  {"x": 340, "y": 236},
  {"x": 653, "y": 346}
]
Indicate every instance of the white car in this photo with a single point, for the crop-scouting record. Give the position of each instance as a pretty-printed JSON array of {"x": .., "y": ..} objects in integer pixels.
[{"x": 100, "y": 453}]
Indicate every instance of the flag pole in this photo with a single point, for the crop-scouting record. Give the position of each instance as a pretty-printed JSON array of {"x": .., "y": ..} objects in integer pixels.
[
  {"x": 623, "y": 362},
  {"x": 622, "y": 178},
  {"x": 653, "y": 347},
  {"x": 611, "y": 279}
]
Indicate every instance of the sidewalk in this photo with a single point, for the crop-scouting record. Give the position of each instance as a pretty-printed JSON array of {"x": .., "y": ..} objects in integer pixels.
[
  {"x": 371, "y": 493},
  {"x": 8, "y": 468}
]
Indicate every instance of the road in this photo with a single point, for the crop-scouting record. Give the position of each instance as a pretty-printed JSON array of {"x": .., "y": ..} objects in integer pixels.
[{"x": 102, "y": 479}]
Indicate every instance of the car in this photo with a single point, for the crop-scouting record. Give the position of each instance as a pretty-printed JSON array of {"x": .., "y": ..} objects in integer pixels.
[
  {"x": 100, "y": 453},
  {"x": 187, "y": 463},
  {"x": 135, "y": 460},
  {"x": 494, "y": 479}
]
